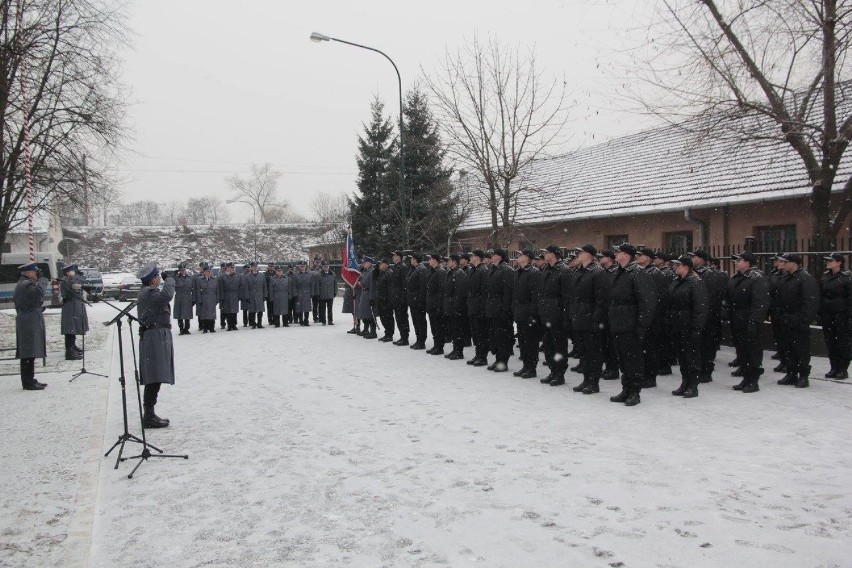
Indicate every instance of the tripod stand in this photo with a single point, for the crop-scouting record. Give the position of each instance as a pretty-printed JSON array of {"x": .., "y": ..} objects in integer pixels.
[
  {"x": 126, "y": 436},
  {"x": 83, "y": 371}
]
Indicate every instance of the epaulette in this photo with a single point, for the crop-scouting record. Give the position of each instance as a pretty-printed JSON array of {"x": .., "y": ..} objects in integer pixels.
[
  {"x": 754, "y": 274},
  {"x": 845, "y": 273}
]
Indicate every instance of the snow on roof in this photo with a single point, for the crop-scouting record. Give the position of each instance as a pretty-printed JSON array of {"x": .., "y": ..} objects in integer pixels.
[
  {"x": 41, "y": 222},
  {"x": 330, "y": 237},
  {"x": 668, "y": 168}
]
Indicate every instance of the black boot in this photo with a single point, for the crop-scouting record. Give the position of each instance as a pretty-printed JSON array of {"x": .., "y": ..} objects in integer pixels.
[
  {"x": 803, "y": 382},
  {"x": 386, "y": 338},
  {"x": 593, "y": 386},
  {"x": 649, "y": 382},
  {"x": 546, "y": 380},
  {"x": 681, "y": 389},
  {"x": 418, "y": 345},
  {"x": 581, "y": 386},
  {"x": 735, "y": 363},
  {"x": 752, "y": 377},
  {"x": 789, "y": 379},
  {"x": 401, "y": 341},
  {"x": 529, "y": 374},
  {"x": 738, "y": 373},
  {"x": 557, "y": 380},
  {"x": 520, "y": 372},
  {"x": 71, "y": 355},
  {"x": 151, "y": 420},
  {"x": 632, "y": 399},
  {"x": 691, "y": 387},
  {"x": 610, "y": 374},
  {"x": 620, "y": 397},
  {"x": 780, "y": 368}
]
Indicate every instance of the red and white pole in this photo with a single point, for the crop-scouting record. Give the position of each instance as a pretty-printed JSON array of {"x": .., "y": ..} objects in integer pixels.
[{"x": 26, "y": 108}]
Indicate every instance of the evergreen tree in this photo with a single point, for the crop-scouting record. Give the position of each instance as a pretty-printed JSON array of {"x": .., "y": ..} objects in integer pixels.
[
  {"x": 373, "y": 208},
  {"x": 430, "y": 203}
]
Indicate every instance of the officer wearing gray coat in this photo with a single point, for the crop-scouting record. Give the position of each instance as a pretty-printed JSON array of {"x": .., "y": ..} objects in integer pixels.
[
  {"x": 364, "y": 298},
  {"x": 229, "y": 296},
  {"x": 304, "y": 290},
  {"x": 327, "y": 284},
  {"x": 74, "y": 319},
  {"x": 156, "y": 353},
  {"x": 279, "y": 292},
  {"x": 184, "y": 298},
  {"x": 256, "y": 289},
  {"x": 30, "y": 340},
  {"x": 206, "y": 298}
]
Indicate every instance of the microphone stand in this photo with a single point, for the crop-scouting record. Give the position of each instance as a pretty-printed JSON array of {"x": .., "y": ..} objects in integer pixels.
[{"x": 83, "y": 371}]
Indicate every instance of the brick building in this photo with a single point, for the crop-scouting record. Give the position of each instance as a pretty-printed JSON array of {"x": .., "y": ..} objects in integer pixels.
[{"x": 670, "y": 188}]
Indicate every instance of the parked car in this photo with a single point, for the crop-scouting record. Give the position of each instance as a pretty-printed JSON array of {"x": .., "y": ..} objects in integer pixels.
[
  {"x": 49, "y": 264},
  {"x": 111, "y": 281},
  {"x": 94, "y": 283},
  {"x": 129, "y": 288}
]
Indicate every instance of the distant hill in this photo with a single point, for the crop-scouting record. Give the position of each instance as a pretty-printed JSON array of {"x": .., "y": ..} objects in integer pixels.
[{"x": 128, "y": 248}]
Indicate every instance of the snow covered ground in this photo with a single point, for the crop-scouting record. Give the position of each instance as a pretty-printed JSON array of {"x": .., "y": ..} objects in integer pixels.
[{"x": 311, "y": 447}]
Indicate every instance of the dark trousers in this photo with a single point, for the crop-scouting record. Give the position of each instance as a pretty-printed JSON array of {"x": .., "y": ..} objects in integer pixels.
[
  {"x": 688, "y": 345},
  {"x": 255, "y": 318},
  {"x": 456, "y": 328},
  {"x": 400, "y": 313},
  {"x": 245, "y": 318},
  {"x": 668, "y": 352},
  {"x": 209, "y": 325},
  {"x": 183, "y": 324},
  {"x": 315, "y": 307},
  {"x": 796, "y": 348},
  {"x": 291, "y": 305},
  {"x": 748, "y": 347},
  {"x": 589, "y": 342},
  {"x": 555, "y": 343},
  {"x": 268, "y": 311},
  {"x": 149, "y": 398},
  {"x": 651, "y": 349},
  {"x": 418, "y": 317},
  {"x": 325, "y": 313},
  {"x": 222, "y": 319},
  {"x": 436, "y": 325},
  {"x": 837, "y": 330},
  {"x": 501, "y": 338},
  {"x": 529, "y": 336},
  {"x": 386, "y": 317},
  {"x": 479, "y": 335},
  {"x": 709, "y": 345},
  {"x": 231, "y": 321},
  {"x": 466, "y": 335},
  {"x": 609, "y": 354},
  {"x": 631, "y": 359},
  {"x": 28, "y": 371},
  {"x": 70, "y": 341}
]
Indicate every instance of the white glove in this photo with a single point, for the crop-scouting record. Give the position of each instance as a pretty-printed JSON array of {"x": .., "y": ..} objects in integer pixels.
[{"x": 76, "y": 286}]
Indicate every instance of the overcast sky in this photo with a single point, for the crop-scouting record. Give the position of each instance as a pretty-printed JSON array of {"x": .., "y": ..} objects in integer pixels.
[{"x": 219, "y": 85}]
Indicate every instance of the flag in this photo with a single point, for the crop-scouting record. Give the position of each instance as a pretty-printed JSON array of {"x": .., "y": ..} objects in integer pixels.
[{"x": 350, "y": 271}]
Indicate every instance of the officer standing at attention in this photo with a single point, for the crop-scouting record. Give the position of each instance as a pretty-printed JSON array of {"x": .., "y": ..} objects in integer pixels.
[
  {"x": 30, "y": 340},
  {"x": 686, "y": 317},
  {"x": 747, "y": 303},
  {"x": 798, "y": 304},
  {"x": 835, "y": 315}
]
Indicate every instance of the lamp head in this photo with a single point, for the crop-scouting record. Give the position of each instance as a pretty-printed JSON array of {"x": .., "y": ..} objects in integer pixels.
[{"x": 318, "y": 37}]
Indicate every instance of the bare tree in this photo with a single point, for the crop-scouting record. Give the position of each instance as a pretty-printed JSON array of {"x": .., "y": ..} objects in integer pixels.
[
  {"x": 259, "y": 189},
  {"x": 499, "y": 115},
  {"x": 330, "y": 208},
  {"x": 761, "y": 72},
  {"x": 208, "y": 210},
  {"x": 65, "y": 57}
]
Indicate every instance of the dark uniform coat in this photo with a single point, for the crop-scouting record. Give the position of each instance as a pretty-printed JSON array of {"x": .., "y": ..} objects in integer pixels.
[
  {"x": 525, "y": 294},
  {"x": 476, "y": 291},
  {"x": 586, "y": 302},
  {"x": 836, "y": 297},
  {"x": 498, "y": 302},
  {"x": 455, "y": 294},
  {"x": 632, "y": 299},
  {"x": 206, "y": 297},
  {"x": 415, "y": 287},
  {"x": 229, "y": 293},
  {"x": 747, "y": 298},
  {"x": 383, "y": 297},
  {"x": 687, "y": 304},
  {"x": 74, "y": 318},
  {"x": 30, "y": 341},
  {"x": 327, "y": 283},
  {"x": 399, "y": 296},
  {"x": 435, "y": 290},
  {"x": 550, "y": 301},
  {"x": 156, "y": 353},
  {"x": 798, "y": 299},
  {"x": 184, "y": 296}
]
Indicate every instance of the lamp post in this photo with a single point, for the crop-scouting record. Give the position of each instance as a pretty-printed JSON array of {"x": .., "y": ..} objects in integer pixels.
[
  {"x": 319, "y": 38},
  {"x": 253, "y": 218}
]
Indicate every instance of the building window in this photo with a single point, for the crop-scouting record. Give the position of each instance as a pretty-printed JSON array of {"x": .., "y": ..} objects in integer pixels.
[
  {"x": 613, "y": 241},
  {"x": 679, "y": 242},
  {"x": 7, "y": 247},
  {"x": 775, "y": 238}
]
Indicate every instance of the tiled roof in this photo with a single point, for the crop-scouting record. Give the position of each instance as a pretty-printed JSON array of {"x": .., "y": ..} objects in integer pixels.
[{"x": 663, "y": 169}]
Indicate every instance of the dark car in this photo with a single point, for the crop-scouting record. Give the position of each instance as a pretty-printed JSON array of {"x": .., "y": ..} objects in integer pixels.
[
  {"x": 94, "y": 283},
  {"x": 129, "y": 288}
]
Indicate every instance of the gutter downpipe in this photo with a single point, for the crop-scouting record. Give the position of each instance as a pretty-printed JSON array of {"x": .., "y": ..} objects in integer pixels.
[{"x": 703, "y": 227}]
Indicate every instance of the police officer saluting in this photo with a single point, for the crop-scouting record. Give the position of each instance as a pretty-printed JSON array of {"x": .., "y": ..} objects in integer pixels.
[
  {"x": 156, "y": 353},
  {"x": 74, "y": 318},
  {"x": 747, "y": 301},
  {"x": 686, "y": 317},
  {"x": 30, "y": 340},
  {"x": 835, "y": 315},
  {"x": 184, "y": 298}
]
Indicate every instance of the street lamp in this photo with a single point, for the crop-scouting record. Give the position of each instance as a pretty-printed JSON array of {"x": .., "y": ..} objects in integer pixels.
[
  {"x": 319, "y": 38},
  {"x": 253, "y": 218}
]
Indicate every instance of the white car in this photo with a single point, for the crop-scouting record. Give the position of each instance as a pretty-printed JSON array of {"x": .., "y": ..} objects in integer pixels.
[{"x": 111, "y": 282}]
